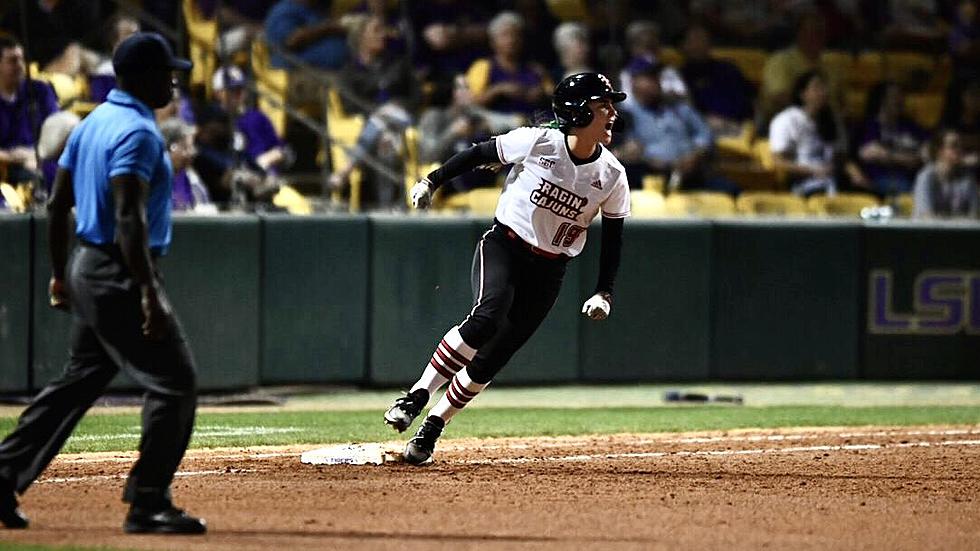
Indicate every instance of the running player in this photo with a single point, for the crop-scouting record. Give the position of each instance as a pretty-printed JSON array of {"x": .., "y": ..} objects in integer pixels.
[{"x": 562, "y": 177}]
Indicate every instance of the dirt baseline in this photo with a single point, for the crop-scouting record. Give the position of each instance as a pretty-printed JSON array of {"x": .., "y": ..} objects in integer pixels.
[{"x": 868, "y": 488}]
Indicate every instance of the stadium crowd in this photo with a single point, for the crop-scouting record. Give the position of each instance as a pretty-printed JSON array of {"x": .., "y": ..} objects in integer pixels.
[{"x": 811, "y": 97}]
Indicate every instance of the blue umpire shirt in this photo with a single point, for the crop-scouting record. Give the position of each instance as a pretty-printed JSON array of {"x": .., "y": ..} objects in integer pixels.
[{"x": 118, "y": 137}]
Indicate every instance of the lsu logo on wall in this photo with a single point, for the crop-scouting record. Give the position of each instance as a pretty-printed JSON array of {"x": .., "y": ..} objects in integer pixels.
[{"x": 946, "y": 302}]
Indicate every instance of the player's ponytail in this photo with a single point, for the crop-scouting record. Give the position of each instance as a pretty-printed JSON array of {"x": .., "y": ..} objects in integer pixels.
[{"x": 543, "y": 118}]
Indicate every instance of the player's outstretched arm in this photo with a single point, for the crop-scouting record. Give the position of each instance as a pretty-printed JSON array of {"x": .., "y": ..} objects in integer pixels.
[
  {"x": 462, "y": 162},
  {"x": 600, "y": 304}
]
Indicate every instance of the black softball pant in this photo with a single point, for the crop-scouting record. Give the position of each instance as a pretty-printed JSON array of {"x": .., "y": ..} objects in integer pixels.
[
  {"x": 106, "y": 336},
  {"x": 514, "y": 288}
]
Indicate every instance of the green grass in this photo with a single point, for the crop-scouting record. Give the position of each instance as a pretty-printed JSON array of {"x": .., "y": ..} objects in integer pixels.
[{"x": 120, "y": 432}]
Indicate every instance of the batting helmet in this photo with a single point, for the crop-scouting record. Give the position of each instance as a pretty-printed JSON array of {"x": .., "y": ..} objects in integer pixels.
[{"x": 573, "y": 94}]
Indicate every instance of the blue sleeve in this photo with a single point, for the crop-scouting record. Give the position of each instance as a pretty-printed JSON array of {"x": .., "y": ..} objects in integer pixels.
[
  {"x": 702, "y": 133},
  {"x": 281, "y": 23},
  {"x": 137, "y": 153}
]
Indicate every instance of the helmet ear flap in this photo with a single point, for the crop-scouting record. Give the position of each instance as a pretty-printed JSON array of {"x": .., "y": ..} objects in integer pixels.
[{"x": 583, "y": 115}]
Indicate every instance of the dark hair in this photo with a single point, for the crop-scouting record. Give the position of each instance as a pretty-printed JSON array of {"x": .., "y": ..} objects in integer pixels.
[
  {"x": 938, "y": 138},
  {"x": 7, "y": 42},
  {"x": 826, "y": 127},
  {"x": 876, "y": 98}
]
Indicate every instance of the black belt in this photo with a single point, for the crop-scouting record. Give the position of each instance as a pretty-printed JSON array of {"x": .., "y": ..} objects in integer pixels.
[
  {"x": 113, "y": 249},
  {"x": 512, "y": 235}
]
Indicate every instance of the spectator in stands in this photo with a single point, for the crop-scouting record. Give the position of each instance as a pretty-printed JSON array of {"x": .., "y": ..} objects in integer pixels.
[
  {"x": 506, "y": 82},
  {"x": 305, "y": 29},
  {"x": 945, "y": 188},
  {"x": 539, "y": 29},
  {"x": 189, "y": 192},
  {"x": 717, "y": 88},
  {"x": 784, "y": 67},
  {"x": 451, "y": 35},
  {"x": 806, "y": 142},
  {"x": 241, "y": 21},
  {"x": 60, "y": 33},
  {"x": 443, "y": 132},
  {"x": 891, "y": 145},
  {"x": 254, "y": 133},
  {"x": 237, "y": 148},
  {"x": 964, "y": 41},
  {"x": 50, "y": 145},
  {"x": 24, "y": 105},
  {"x": 571, "y": 42},
  {"x": 382, "y": 89},
  {"x": 666, "y": 136},
  {"x": 963, "y": 115},
  {"x": 754, "y": 23},
  {"x": 643, "y": 43},
  {"x": 914, "y": 24},
  {"x": 103, "y": 78}
]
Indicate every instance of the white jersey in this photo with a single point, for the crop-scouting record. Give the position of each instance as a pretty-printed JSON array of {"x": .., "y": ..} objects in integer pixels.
[{"x": 548, "y": 200}]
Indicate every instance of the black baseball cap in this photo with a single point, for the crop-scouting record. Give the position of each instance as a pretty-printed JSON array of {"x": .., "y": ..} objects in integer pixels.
[{"x": 145, "y": 52}]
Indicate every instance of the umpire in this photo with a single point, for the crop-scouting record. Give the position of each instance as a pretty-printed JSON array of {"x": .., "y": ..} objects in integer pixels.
[{"x": 116, "y": 174}]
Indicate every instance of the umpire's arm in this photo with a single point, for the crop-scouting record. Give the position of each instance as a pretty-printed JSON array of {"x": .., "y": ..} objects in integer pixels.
[
  {"x": 59, "y": 223},
  {"x": 129, "y": 193}
]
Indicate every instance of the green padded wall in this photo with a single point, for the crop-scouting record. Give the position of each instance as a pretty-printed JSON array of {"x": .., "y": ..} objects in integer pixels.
[
  {"x": 314, "y": 296},
  {"x": 786, "y": 300},
  {"x": 912, "y": 332},
  {"x": 51, "y": 327},
  {"x": 659, "y": 328},
  {"x": 15, "y": 301},
  {"x": 212, "y": 275},
  {"x": 420, "y": 287}
]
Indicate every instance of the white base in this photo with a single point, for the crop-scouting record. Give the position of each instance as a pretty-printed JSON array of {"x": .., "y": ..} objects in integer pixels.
[{"x": 351, "y": 454}]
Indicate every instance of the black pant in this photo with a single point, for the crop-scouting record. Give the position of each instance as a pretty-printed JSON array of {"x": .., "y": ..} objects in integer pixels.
[
  {"x": 514, "y": 288},
  {"x": 106, "y": 336}
]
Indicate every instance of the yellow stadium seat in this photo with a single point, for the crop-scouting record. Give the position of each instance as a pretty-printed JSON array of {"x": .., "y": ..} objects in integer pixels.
[
  {"x": 838, "y": 62},
  {"x": 748, "y": 60},
  {"x": 483, "y": 200},
  {"x": 671, "y": 56},
  {"x": 842, "y": 204},
  {"x": 568, "y": 10},
  {"x": 293, "y": 201},
  {"x": 740, "y": 145},
  {"x": 912, "y": 69},
  {"x": 767, "y": 160},
  {"x": 763, "y": 203},
  {"x": 868, "y": 70},
  {"x": 854, "y": 102},
  {"x": 69, "y": 89},
  {"x": 925, "y": 109},
  {"x": 202, "y": 33},
  {"x": 647, "y": 204},
  {"x": 272, "y": 85},
  {"x": 654, "y": 182},
  {"x": 904, "y": 205},
  {"x": 700, "y": 203}
]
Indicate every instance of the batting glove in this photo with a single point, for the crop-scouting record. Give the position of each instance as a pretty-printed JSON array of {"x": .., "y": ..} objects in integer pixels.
[
  {"x": 421, "y": 194},
  {"x": 598, "y": 306}
]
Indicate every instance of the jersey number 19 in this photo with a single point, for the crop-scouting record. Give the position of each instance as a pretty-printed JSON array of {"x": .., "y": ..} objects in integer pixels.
[{"x": 567, "y": 234}]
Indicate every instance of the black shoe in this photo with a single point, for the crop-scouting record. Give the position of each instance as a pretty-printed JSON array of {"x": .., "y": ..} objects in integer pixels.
[
  {"x": 403, "y": 412},
  {"x": 169, "y": 520},
  {"x": 419, "y": 449},
  {"x": 10, "y": 515}
]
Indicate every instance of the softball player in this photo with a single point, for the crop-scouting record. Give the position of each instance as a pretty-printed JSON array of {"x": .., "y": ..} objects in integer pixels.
[{"x": 562, "y": 178}]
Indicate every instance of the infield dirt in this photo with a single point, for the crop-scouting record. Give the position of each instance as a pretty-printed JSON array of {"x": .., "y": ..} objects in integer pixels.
[{"x": 867, "y": 488}]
